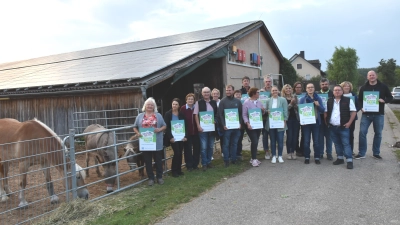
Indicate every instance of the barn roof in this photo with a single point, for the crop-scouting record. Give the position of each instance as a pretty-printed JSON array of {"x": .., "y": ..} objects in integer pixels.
[{"x": 134, "y": 64}]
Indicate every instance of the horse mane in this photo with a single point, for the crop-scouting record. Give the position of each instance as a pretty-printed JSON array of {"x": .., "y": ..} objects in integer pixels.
[{"x": 48, "y": 129}]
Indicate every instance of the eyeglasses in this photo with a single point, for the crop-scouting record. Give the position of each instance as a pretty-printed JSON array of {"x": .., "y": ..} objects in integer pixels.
[
  {"x": 310, "y": 87},
  {"x": 267, "y": 81}
]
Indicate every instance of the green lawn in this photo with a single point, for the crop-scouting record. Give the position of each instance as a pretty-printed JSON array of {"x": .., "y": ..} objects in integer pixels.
[{"x": 397, "y": 114}]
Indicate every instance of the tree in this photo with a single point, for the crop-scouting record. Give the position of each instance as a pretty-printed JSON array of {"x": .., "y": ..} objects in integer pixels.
[
  {"x": 386, "y": 71},
  {"x": 288, "y": 72},
  {"x": 343, "y": 65}
]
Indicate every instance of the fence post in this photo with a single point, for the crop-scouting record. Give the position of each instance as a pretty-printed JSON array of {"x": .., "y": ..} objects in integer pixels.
[
  {"x": 116, "y": 159},
  {"x": 72, "y": 162}
]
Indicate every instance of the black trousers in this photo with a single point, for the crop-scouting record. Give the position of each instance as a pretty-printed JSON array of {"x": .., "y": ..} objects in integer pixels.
[
  {"x": 300, "y": 149},
  {"x": 192, "y": 157},
  {"x": 148, "y": 156},
  {"x": 239, "y": 144},
  {"x": 176, "y": 166}
]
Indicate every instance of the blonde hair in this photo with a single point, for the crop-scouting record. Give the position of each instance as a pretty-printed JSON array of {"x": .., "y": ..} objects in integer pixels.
[
  {"x": 150, "y": 100},
  {"x": 215, "y": 90},
  {"x": 347, "y": 83},
  {"x": 283, "y": 92}
]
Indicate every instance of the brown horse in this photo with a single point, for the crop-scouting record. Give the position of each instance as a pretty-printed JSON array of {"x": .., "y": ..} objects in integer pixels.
[
  {"x": 30, "y": 143},
  {"x": 98, "y": 140}
]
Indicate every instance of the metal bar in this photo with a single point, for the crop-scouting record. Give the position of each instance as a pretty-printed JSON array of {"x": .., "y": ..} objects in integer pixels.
[{"x": 72, "y": 162}]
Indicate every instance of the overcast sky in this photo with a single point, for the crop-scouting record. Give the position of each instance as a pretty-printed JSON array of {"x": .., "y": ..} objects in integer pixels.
[{"x": 31, "y": 29}]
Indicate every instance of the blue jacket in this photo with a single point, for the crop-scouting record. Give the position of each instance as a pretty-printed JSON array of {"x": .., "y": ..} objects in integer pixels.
[{"x": 318, "y": 110}]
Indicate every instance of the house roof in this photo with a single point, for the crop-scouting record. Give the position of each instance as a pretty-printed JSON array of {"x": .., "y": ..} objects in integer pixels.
[
  {"x": 141, "y": 63},
  {"x": 315, "y": 62}
]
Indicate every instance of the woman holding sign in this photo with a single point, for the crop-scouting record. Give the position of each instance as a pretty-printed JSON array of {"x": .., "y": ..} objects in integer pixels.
[
  {"x": 151, "y": 124},
  {"x": 252, "y": 117},
  {"x": 277, "y": 109},
  {"x": 293, "y": 124},
  {"x": 176, "y": 135}
]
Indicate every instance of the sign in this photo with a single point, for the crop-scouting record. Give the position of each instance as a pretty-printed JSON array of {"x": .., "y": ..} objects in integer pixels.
[
  {"x": 178, "y": 129},
  {"x": 371, "y": 101},
  {"x": 324, "y": 98},
  {"x": 232, "y": 118},
  {"x": 255, "y": 118},
  {"x": 353, "y": 99},
  {"x": 147, "y": 142},
  {"x": 264, "y": 96},
  {"x": 307, "y": 113},
  {"x": 207, "y": 121},
  {"x": 276, "y": 119},
  {"x": 244, "y": 98}
]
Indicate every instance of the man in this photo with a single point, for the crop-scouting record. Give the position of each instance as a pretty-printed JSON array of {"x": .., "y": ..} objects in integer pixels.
[
  {"x": 376, "y": 118},
  {"x": 298, "y": 91},
  {"x": 245, "y": 85},
  {"x": 238, "y": 95},
  {"x": 323, "y": 129},
  {"x": 339, "y": 115},
  {"x": 231, "y": 136},
  {"x": 267, "y": 87},
  {"x": 206, "y": 138}
]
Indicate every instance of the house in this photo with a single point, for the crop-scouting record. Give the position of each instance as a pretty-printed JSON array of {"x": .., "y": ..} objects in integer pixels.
[
  {"x": 306, "y": 68},
  {"x": 54, "y": 88}
]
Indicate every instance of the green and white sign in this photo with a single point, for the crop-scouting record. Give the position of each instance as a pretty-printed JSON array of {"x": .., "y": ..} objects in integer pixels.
[
  {"x": 244, "y": 98},
  {"x": 264, "y": 96},
  {"x": 178, "y": 129},
  {"x": 148, "y": 141},
  {"x": 276, "y": 119},
  {"x": 232, "y": 118},
  {"x": 371, "y": 101},
  {"x": 255, "y": 118},
  {"x": 207, "y": 121},
  {"x": 307, "y": 114},
  {"x": 324, "y": 98}
]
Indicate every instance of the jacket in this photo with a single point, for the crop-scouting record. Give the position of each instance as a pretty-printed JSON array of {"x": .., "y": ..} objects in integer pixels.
[
  {"x": 160, "y": 123},
  {"x": 318, "y": 110},
  {"x": 168, "y": 119},
  {"x": 282, "y": 103},
  {"x": 344, "y": 110},
  {"x": 384, "y": 93}
]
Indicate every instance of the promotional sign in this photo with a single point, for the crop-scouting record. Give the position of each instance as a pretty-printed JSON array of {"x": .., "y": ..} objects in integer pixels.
[
  {"x": 255, "y": 118},
  {"x": 324, "y": 98},
  {"x": 276, "y": 119},
  {"x": 207, "y": 121},
  {"x": 306, "y": 113},
  {"x": 232, "y": 118},
  {"x": 178, "y": 129},
  {"x": 147, "y": 142},
  {"x": 264, "y": 96},
  {"x": 371, "y": 101},
  {"x": 244, "y": 97}
]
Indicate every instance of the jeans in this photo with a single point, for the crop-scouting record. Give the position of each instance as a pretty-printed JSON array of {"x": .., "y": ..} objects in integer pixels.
[
  {"x": 341, "y": 138},
  {"x": 324, "y": 135},
  {"x": 239, "y": 144},
  {"x": 366, "y": 120},
  {"x": 265, "y": 134},
  {"x": 206, "y": 147},
  {"x": 157, "y": 155},
  {"x": 230, "y": 144},
  {"x": 352, "y": 128},
  {"x": 292, "y": 135},
  {"x": 276, "y": 136},
  {"x": 254, "y": 136},
  {"x": 192, "y": 158},
  {"x": 308, "y": 130}
]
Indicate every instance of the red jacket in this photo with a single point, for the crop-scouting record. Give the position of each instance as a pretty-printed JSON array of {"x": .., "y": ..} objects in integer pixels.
[{"x": 189, "y": 120}]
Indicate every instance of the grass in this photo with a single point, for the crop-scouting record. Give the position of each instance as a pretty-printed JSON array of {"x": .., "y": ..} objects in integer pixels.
[
  {"x": 397, "y": 152},
  {"x": 397, "y": 114},
  {"x": 147, "y": 205}
]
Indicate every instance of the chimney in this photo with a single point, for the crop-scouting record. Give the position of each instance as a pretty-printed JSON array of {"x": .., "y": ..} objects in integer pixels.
[{"x": 302, "y": 54}]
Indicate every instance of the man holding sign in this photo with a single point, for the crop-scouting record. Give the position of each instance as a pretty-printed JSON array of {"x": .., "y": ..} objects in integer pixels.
[
  {"x": 230, "y": 117},
  {"x": 372, "y": 98}
]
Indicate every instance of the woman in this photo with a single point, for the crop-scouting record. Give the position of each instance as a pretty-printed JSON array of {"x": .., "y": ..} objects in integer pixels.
[
  {"x": 293, "y": 122},
  {"x": 215, "y": 94},
  {"x": 177, "y": 145},
  {"x": 192, "y": 159},
  {"x": 298, "y": 91},
  {"x": 150, "y": 118},
  {"x": 254, "y": 134},
  {"x": 348, "y": 92},
  {"x": 276, "y": 134}
]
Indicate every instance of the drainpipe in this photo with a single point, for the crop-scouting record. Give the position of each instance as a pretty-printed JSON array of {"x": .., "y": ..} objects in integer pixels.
[{"x": 144, "y": 95}]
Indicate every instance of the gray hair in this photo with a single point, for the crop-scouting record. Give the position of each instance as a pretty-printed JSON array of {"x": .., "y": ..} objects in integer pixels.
[
  {"x": 150, "y": 100},
  {"x": 205, "y": 88},
  {"x": 268, "y": 76},
  {"x": 323, "y": 80}
]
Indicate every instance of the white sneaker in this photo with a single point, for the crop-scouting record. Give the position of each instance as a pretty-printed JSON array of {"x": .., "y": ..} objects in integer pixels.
[
  {"x": 212, "y": 158},
  {"x": 254, "y": 163},
  {"x": 273, "y": 159},
  {"x": 258, "y": 161},
  {"x": 267, "y": 155},
  {"x": 251, "y": 161},
  {"x": 280, "y": 160}
]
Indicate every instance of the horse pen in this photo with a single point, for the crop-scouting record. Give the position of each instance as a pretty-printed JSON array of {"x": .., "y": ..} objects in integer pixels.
[{"x": 37, "y": 188}]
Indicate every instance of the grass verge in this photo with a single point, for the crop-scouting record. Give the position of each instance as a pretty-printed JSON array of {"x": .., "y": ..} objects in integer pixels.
[
  {"x": 147, "y": 205},
  {"x": 397, "y": 152},
  {"x": 397, "y": 114}
]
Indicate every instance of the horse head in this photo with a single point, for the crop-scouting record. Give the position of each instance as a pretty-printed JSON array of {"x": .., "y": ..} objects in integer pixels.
[
  {"x": 131, "y": 149},
  {"x": 80, "y": 181}
]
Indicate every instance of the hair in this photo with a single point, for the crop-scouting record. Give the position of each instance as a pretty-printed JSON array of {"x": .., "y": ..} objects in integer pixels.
[
  {"x": 337, "y": 85},
  {"x": 283, "y": 92},
  {"x": 347, "y": 83},
  {"x": 205, "y": 88},
  {"x": 215, "y": 90},
  {"x": 151, "y": 100},
  {"x": 252, "y": 91},
  {"x": 323, "y": 80},
  {"x": 274, "y": 86},
  {"x": 230, "y": 85},
  {"x": 237, "y": 91},
  {"x": 246, "y": 78},
  {"x": 268, "y": 76},
  {"x": 297, "y": 83},
  {"x": 190, "y": 95},
  {"x": 176, "y": 100},
  {"x": 372, "y": 71}
]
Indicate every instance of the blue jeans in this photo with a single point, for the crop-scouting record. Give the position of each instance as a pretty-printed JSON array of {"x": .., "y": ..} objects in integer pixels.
[
  {"x": 229, "y": 147},
  {"x": 307, "y": 131},
  {"x": 324, "y": 134},
  {"x": 341, "y": 138},
  {"x": 276, "y": 136},
  {"x": 206, "y": 146},
  {"x": 292, "y": 135},
  {"x": 265, "y": 134},
  {"x": 366, "y": 120}
]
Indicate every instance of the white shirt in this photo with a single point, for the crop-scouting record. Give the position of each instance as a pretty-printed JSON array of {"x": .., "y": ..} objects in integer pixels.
[
  {"x": 335, "y": 116},
  {"x": 274, "y": 103}
]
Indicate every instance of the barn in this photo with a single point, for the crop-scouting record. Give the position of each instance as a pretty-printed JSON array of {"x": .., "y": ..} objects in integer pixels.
[{"x": 54, "y": 88}]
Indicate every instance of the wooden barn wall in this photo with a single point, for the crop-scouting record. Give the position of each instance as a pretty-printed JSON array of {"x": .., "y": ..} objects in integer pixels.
[{"x": 57, "y": 111}]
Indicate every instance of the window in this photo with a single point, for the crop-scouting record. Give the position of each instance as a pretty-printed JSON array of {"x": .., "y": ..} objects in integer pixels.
[
  {"x": 308, "y": 76},
  {"x": 299, "y": 66}
]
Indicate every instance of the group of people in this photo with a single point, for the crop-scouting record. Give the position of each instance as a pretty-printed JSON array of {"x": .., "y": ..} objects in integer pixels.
[{"x": 335, "y": 116}]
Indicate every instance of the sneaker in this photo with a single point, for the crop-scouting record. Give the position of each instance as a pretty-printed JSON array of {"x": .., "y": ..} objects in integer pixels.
[
  {"x": 258, "y": 162},
  {"x": 293, "y": 156},
  {"x": 377, "y": 156},
  {"x": 251, "y": 161},
  {"x": 329, "y": 157},
  {"x": 317, "y": 162},
  {"x": 273, "y": 159},
  {"x": 255, "y": 163},
  {"x": 160, "y": 181},
  {"x": 150, "y": 182},
  {"x": 212, "y": 158},
  {"x": 280, "y": 160},
  {"x": 289, "y": 156},
  {"x": 350, "y": 165},
  {"x": 307, "y": 161},
  {"x": 358, "y": 156},
  {"x": 267, "y": 155},
  {"x": 338, "y": 162}
]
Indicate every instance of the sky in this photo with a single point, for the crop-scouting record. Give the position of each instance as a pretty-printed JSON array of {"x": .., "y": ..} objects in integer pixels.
[{"x": 31, "y": 29}]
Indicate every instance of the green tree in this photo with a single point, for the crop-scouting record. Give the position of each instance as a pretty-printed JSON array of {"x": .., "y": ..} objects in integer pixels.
[
  {"x": 343, "y": 65},
  {"x": 288, "y": 72},
  {"x": 386, "y": 71},
  {"x": 397, "y": 76}
]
